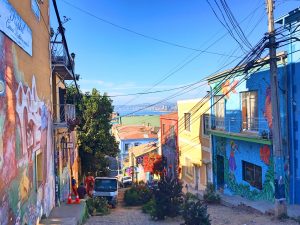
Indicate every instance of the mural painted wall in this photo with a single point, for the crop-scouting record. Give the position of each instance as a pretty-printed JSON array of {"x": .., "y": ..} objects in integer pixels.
[
  {"x": 26, "y": 151},
  {"x": 234, "y": 152}
]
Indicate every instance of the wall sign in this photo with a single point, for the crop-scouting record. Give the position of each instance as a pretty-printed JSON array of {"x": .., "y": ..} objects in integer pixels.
[
  {"x": 14, "y": 26},
  {"x": 36, "y": 9}
]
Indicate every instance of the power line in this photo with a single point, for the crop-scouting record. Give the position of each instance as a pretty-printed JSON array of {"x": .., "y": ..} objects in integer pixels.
[
  {"x": 185, "y": 63},
  {"x": 141, "y": 34}
]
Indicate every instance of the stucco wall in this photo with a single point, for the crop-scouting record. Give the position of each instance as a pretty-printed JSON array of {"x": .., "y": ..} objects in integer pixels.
[{"x": 26, "y": 124}]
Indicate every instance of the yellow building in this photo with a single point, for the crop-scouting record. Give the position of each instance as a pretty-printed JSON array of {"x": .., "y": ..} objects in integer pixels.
[{"x": 194, "y": 145}]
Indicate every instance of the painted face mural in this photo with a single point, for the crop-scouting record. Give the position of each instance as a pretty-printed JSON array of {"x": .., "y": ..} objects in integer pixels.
[
  {"x": 26, "y": 171},
  {"x": 268, "y": 107}
]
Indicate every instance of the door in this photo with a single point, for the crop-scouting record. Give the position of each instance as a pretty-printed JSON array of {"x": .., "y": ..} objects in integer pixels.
[
  {"x": 220, "y": 171},
  {"x": 197, "y": 175}
]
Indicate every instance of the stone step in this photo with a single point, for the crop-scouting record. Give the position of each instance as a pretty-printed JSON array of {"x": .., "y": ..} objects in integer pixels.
[{"x": 59, "y": 221}]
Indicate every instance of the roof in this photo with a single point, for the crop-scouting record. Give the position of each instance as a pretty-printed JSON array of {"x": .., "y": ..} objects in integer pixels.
[
  {"x": 173, "y": 115},
  {"x": 136, "y": 132},
  {"x": 143, "y": 149},
  {"x": 241, "y": 69},
  {"x": 292, "y": 17}
]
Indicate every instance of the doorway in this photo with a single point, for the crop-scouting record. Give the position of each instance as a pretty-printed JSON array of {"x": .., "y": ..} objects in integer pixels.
[{"x": 220, "y": 171}]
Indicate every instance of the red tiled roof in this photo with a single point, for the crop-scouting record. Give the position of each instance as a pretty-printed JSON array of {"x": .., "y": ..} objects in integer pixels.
[
  {"x": 136, "y": 132},
  {"x": 172, "y": 115}
]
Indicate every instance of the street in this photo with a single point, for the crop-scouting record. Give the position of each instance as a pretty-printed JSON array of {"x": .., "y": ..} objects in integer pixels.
[{"x": 219, "y": 215}]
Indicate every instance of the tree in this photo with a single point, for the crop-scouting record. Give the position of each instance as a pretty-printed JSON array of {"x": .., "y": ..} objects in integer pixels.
[{"x": 95, "y": 141}]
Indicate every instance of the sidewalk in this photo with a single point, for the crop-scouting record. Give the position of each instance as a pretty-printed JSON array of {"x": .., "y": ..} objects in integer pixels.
[
  {"x": 264, "y": 207},
  {"x": 67, "y": 214}
]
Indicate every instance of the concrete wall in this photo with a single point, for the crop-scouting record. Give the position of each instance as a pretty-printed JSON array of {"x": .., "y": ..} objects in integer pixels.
[
  {"x": 169, "y": 144},
  {"x": 26, "y": 149}
]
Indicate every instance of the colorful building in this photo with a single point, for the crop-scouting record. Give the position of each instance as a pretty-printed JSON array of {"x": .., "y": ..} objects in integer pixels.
[
  {"x": 240, "y": 127},
  {"x": 194, "y": 150},
  {"x": 139, "y": 157},
  {"x": 132, "y": 135},
  {"x": 169, "y": 142},
  {"x": 64, "y": 122},
  {"x": 26, "y": 142},
  {"x": 290, "y": 23}
]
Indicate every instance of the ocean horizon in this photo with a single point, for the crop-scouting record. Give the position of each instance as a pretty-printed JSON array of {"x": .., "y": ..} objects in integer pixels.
[{"x": 142, "y": 113}]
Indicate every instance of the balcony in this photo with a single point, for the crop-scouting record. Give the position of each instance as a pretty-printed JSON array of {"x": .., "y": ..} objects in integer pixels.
[
  {"x": 235, "y": 125},
  {"x": 60, "y": 61},
  {"x": 65, "y": 116}
]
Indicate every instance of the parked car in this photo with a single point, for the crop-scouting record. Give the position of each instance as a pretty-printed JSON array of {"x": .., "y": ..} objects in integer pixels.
[
  {"x": 106, "y": 187},
  {"x": 126, "y": 181}
]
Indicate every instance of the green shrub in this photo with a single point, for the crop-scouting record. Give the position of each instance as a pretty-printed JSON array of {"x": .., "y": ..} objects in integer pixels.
[
  {"x": 168, "y": 198},
  {"x": 137, "y": 195},
  {"x": 194, "y": 211},
  {"x": 149, "y": 207},
  {"x": 97, "y": 205},
  {"x": 210, "y": 195}
]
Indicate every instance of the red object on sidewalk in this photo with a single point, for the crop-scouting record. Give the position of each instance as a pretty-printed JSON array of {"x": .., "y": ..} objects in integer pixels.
[
  {"x": 77, "y": 200},
  {"x": 69, "y": 199}
]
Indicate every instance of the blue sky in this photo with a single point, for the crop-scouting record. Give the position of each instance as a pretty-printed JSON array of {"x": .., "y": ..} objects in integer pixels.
[{"x": 119, "y": 62}]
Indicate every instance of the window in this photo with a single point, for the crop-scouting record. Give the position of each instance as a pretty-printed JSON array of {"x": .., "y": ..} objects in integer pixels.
[
  {"x": 187, "y": 121},
  {"x": 163, "y": 129},
  {"x": 189, "y": 167},
  {"x": 252, "y": 174},
  {"x": 219, "y": 109},
  {"x": 126, "y": 148},
  {"x": 36, "y": 9},
  {"x": 205, "y": 124},
  {"x": 39, "y": 168},
  {"x": 136, "y": 144},
  {"x": 172, "y": 131},
  {"x": 249, "y": 110}
]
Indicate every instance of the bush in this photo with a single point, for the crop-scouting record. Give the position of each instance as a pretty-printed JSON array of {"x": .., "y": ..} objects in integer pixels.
[
  {"x": 97, "y": 205},
  {"x": 137, "y": 195},
  {"x": 210, "y": 195},
  {"x": 149, "y": 207},
  {"x": 168, "y": 198},
  {"x": 194, "y": 211}
]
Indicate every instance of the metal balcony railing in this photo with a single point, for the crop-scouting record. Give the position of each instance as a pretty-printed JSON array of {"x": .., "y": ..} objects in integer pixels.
[
  {"x": 249, "y": 125},
  {"x": 60, "y": 61},
  {"x": 64, "y": 113}
]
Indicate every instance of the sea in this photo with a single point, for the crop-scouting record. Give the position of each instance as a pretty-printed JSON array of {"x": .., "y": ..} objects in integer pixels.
[{"x": 141, "y": 113}]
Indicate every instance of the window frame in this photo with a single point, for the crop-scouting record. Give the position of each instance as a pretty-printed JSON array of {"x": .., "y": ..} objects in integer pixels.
[
  {"x": 39, "y": 169},
  {"x": 203, "y": 125},
  {"x": 257, "y": 172},
  {"x": 246, "y": 125},
  {"x": 187, "y": 122}
]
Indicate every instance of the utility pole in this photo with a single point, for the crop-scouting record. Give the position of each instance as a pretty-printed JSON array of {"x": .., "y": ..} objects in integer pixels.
[{"x": 278, "y": 159}]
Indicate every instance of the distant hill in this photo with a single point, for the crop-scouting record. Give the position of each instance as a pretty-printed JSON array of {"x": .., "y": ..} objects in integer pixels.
[{"x": 158, "y": 107}]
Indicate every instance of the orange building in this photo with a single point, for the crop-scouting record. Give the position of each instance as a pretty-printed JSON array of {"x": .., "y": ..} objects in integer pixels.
[{"x": 26, "y": 145}]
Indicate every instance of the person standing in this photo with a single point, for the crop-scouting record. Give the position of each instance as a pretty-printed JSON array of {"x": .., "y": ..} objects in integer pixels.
[
  {"x": 74, "y": 188},
  {"x": 89, "y": 184},
  {"x": 81, "y": 191}
]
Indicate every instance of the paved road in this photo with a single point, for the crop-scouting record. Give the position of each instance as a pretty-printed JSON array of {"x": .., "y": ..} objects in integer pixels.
[
  {"x": 219, "y": 215},
  {"x": 127, "y": 216}
]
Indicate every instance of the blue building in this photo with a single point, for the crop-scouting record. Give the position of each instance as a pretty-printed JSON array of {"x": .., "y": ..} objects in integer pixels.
[
  {"x": 291, "y": 22},
  {"x": 133, "y": 135},
  {"x": 240, "y": 127}
]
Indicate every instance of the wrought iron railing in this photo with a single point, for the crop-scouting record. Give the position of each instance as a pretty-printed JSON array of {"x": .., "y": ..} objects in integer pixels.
[
  {"x": 249, "y": 125},
  {"x": 64, "y": 113},
  {"x": 59, "y": 56}
]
